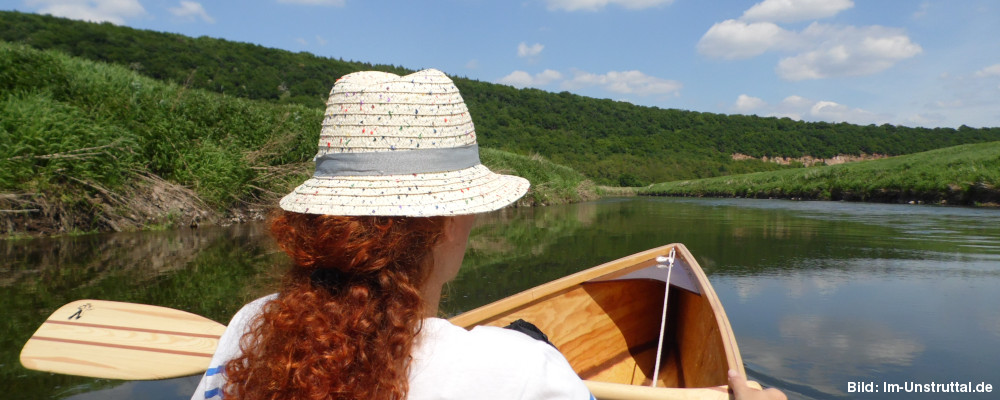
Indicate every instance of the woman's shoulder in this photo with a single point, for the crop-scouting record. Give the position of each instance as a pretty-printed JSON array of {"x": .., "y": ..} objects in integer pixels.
[
  {"x": 250, "y": 310},
  {"x": 228, "y": 348},
  {"x": 442, "y": 337},
  {"x": 490, "y": 361},
  {"x": 229, "y": 342}
]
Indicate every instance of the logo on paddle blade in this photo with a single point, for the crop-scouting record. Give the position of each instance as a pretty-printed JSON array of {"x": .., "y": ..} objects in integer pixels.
[{"x": 80, "y": 310}]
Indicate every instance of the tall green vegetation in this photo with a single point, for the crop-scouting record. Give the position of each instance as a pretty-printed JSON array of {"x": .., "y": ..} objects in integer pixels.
[
  {"x": 551, "y": 183},
  {"x": 610, "y": 142},
  {"x": 91, "y": 146},
  {"x": 966, "y": 174},
  {"x": 76, "y": 137}
]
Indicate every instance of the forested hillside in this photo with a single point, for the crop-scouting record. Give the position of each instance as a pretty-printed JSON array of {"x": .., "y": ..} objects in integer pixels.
[{"x": 611, "y": 142}]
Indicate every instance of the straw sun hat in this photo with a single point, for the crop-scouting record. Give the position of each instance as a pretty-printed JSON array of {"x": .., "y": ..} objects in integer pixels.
[{"x": 401, "y": 146}]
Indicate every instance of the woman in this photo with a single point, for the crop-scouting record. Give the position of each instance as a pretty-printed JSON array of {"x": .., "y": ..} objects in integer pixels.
[{"x": 373, "y": 236}]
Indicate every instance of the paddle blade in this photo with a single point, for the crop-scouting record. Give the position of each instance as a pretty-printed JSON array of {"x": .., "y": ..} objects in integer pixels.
[{"x": 115, "y": 340}]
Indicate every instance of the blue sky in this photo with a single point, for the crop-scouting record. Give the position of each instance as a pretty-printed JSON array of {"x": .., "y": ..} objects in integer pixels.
[{"x": 915, "y": 63}]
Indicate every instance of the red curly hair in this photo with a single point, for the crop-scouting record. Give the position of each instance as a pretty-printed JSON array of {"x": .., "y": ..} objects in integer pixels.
[{"x": 349, "y": 334}]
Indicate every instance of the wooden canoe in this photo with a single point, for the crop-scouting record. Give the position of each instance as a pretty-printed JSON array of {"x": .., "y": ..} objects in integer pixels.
[{"x": 606, "y": 321}]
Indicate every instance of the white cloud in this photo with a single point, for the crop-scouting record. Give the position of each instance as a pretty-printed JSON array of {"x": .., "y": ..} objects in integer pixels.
[
  {"x": 816, "y": 52},
  {"x": 839, "y": 51},
  {"x": 624, "y": 82},
  {"x": 799, "y": 108},
  {"x": 522, "y": 79},
  {"x": 746, "y": 103},
  {"x": 793, "y": 107},
  {"x": 828, "y": 108},
  {"x": 523, "y": 50},
  {"x": 823, "y": 50},
  {"x": 113, "y": 11},
  {"x": 594, "y": 5},
  {"x": 925, "y": 119},
  {"x": 796, "y": 101},
  {"x": 192, "y": 10},
  {"x": 472, "y": 64},
  {"x": 620, "y": 82},
  {"x": 547, "y": 76},
  {"x": 795, "y": 10},
  {"x": 320, "y": 41},
  {"x": 518, "y": 79},
  {"x": 732, "y": 39},
  {"x": 335, "y": 3},
  {"x": 835, "y": 112},
  {"x": 992, "y": 70}
]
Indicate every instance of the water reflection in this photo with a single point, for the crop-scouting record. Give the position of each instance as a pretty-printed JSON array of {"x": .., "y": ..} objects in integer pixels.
[
  {"x": 169, "y": 389},
  {"x": 855, "y": 347},
  {"x": 814, "y": 330},
  {"x": 819, "y": 294},
  {"x": 992, "y": 324},
  {"x": 209, "y": 272}
]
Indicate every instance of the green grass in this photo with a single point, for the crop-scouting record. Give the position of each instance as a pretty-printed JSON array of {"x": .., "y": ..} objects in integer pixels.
[{"x": 966, "y": 174}]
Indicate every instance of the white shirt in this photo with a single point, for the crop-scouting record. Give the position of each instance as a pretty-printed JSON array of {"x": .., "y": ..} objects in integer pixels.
[{"x": 449, "y": 362}]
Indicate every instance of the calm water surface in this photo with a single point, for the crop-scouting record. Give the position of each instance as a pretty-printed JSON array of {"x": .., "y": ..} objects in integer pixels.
[{"x": 819, "y": 294}]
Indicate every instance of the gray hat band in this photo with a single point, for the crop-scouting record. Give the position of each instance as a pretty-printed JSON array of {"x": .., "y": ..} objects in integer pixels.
[{"x": 398, "y": 162}]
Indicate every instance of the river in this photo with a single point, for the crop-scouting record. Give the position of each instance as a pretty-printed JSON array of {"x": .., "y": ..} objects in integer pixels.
[{"x": 819, "y": 294}]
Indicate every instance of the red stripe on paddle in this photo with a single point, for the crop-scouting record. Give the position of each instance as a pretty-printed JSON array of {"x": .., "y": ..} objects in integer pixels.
[
  {"x": 125, "y": 328},
  {"x": 121, "y": 346}
]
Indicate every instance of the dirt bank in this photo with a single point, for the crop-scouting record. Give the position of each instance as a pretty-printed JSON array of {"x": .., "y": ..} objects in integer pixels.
[{"x": 146, "y": 202}]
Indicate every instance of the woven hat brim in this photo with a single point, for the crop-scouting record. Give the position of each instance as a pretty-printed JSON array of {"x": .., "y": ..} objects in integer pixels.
[{"x": 468, "y": 191}]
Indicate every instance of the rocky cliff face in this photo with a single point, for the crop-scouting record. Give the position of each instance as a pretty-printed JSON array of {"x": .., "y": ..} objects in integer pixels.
[{"x": 810, "y": 161}]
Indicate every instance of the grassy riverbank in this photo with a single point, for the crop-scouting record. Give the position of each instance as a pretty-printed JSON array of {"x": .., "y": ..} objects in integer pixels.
[
  {"x": 965, "y": 175},
  {"x": 88, "y": 146}
]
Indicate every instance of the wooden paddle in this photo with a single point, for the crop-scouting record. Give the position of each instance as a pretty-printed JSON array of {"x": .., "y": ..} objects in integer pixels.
[{"x": 115, "y": 340}]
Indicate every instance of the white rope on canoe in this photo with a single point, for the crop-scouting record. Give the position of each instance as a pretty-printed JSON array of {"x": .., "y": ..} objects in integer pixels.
[{"x": 663, "y": 318}]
